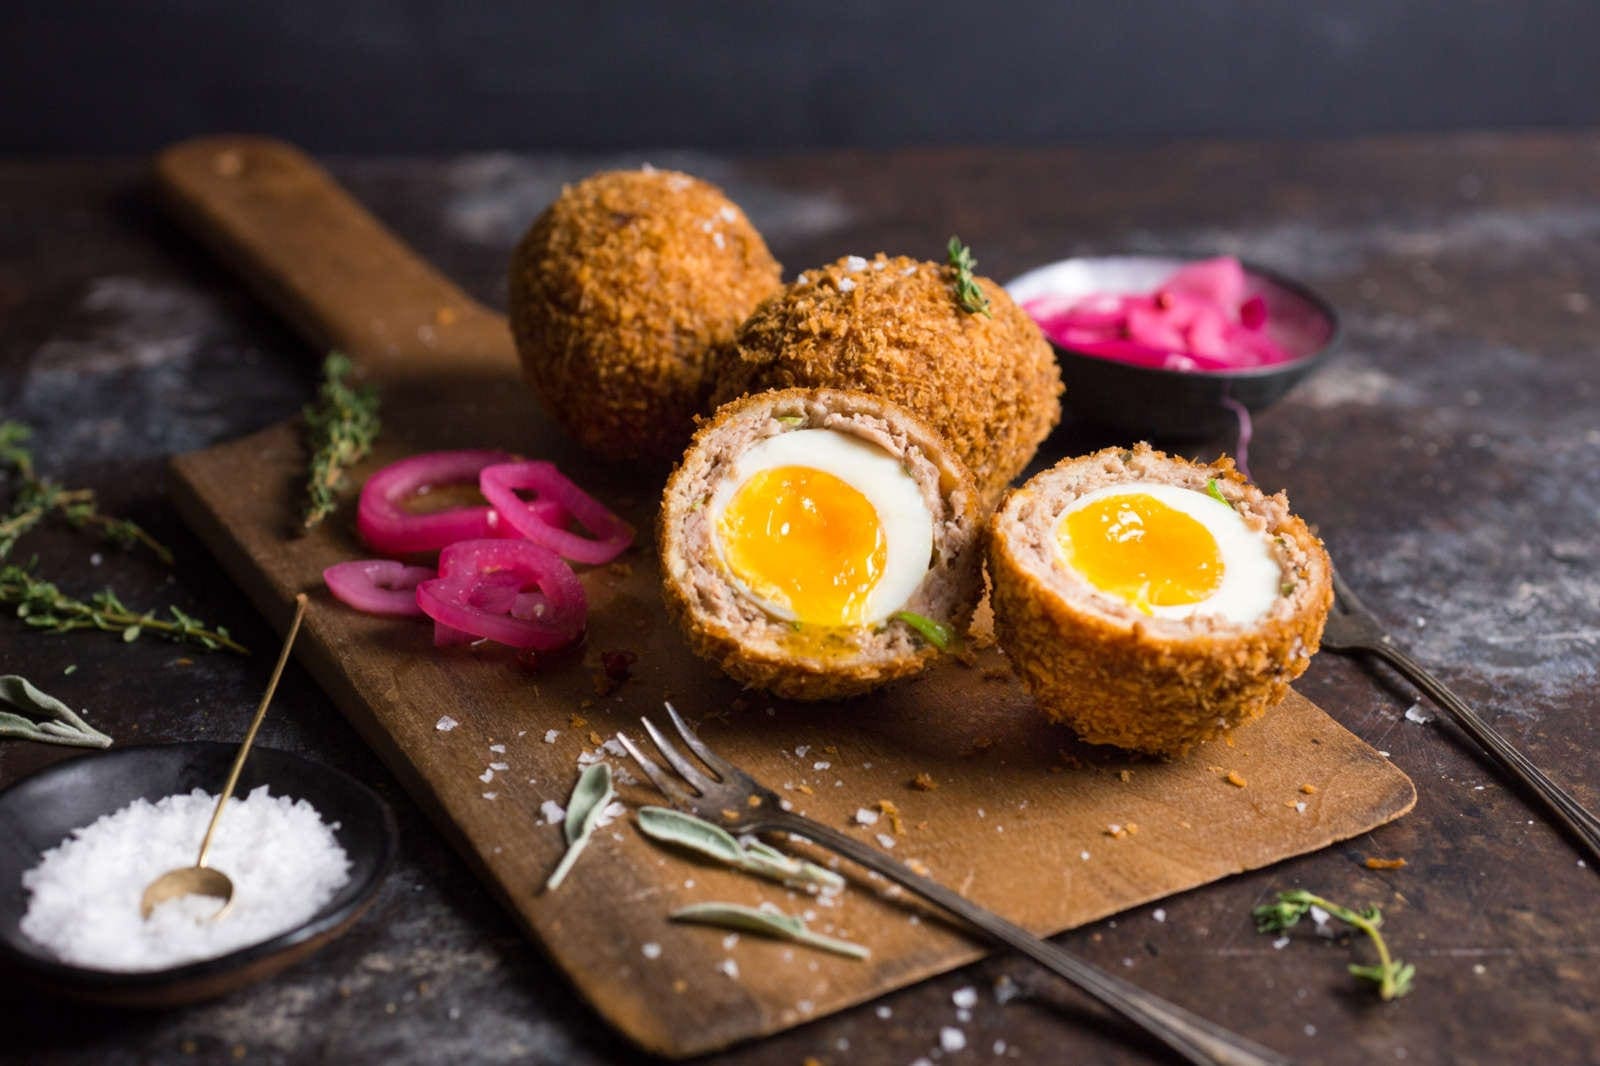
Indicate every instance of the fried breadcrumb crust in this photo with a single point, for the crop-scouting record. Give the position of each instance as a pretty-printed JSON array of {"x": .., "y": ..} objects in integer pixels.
[
  {"x": 1118, "y": 677},
  {"x": 620, "y": 291},
  {"x": 813, "y": 663},
  {"x": 893, "y": 328}
]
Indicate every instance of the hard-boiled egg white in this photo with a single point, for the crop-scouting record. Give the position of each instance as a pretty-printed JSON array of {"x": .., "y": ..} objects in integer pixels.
[
  {"x": 1169, "y": 551},
  {"x": 822, "y": 528}
]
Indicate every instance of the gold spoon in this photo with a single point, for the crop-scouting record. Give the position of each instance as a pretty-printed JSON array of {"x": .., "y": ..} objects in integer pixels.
[{"x": 200, "y": 879}]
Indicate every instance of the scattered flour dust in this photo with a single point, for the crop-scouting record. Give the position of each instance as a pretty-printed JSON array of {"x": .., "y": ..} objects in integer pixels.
[{"x": 84, "y": 894}]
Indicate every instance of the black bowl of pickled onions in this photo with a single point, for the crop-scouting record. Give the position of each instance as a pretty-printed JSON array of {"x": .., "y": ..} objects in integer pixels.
[{"x": 1174, "y": 348}]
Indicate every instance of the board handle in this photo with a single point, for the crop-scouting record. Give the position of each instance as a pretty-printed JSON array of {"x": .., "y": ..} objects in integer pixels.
[{"x": 323, "y": 262}]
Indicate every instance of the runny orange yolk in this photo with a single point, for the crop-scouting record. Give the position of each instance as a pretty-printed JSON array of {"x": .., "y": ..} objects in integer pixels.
[
  {"x": 807, "y": 540},
  {"x": 1140, "y": 549}
]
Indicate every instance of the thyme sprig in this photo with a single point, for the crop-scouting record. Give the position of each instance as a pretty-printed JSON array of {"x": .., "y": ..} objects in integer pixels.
[
  {"x": 1393, "y": 977},
  {"x": 340, "y": 429},
  {"x": 969, "y": 294},
  {"x": 37, "y": 498},
  {"x": 41, "y": 605}
]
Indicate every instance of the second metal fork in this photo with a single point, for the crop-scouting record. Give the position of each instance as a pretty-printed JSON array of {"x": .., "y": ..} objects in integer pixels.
[
  {"x": 731, "y": 798},
  {"x": 1352, "y": 628}
]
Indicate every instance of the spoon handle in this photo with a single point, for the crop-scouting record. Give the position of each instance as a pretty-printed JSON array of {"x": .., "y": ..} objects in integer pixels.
[{"x": 255, "y": 726}]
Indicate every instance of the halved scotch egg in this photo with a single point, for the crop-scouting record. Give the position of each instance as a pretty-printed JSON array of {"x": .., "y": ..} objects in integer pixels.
[
  {"x": 1153, "y": 603},
  {"x": 818, "y": 543}
]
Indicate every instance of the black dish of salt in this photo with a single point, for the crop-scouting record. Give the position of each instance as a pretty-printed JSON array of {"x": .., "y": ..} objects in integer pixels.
[{"x": 37, "y": 813}]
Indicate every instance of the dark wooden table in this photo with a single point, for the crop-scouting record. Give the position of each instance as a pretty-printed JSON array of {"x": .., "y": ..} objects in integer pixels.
[{"x": 1451, "y": 454}]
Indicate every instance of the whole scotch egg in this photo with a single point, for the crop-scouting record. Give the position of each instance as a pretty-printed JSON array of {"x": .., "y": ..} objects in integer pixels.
[
  {"x": 1153, "y": 603},
  {"x": 819, "y": 543}
]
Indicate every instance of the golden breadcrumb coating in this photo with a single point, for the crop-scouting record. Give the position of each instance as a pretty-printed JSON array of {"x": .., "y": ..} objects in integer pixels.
[
  {"x": 620, "y": 291},
  {"x": 892, "y": 327},
  {"x": 1117, "y": 676}
]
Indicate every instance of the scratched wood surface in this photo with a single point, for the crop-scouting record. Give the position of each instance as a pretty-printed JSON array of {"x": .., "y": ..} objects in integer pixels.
[{"x": 1018, "y": 806}]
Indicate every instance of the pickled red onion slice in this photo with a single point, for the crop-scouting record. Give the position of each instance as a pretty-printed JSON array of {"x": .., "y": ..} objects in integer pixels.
[
  {"x": 386, "y": 527},
  {"x": 513, "y": 592},
  {"x": 1201, "y": 318},
  {"x": 377, "y": 586},
  {"x": 610, "y": 534}
]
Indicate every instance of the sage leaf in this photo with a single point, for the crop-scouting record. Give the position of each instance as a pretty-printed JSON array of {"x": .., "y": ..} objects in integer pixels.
[
  {"x": 773, "y": 923},
  {"x": 588, "y": 801},
  {"x": 60, "y": 724},
  {"x": 1215, "y": 492},
  {"x": 695, "y": 834},
  {"x": 687, "y": 831}
]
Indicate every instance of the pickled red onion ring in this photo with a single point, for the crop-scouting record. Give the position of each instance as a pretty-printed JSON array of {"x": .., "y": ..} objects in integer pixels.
[
  {"x": 386, "y": 527},
  {"x": 486, "y": 589},
  {"x": 611, "y": 535},
  {"x": 377, "y": 586}
]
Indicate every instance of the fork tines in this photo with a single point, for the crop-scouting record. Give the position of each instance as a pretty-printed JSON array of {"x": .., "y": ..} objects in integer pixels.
[{"x": 722, "y": 770}]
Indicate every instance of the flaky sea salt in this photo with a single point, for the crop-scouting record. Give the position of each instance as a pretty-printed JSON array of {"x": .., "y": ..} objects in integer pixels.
[
  {"x": 965, "y": 998},
  {"x": 552, "y": 812},
  {"x": 84, "y": 894},
  {"x": 445, "y": 724},
  {"x": 951, "y": 1039}
]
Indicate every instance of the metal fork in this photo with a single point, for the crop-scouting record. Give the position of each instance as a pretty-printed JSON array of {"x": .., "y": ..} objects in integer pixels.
[
  {"x": 1352, "y": 628},
  {"x": 734, "y": 800}
]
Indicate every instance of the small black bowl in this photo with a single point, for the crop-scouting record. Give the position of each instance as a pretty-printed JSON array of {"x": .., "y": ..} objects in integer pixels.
[
  {"x": 1179, "y": 404},
  {"x": 38, "y": 812}
]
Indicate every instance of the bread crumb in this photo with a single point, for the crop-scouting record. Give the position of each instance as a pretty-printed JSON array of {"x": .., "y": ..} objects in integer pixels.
[
  {"x": 924, "y": 783},
  {"x": 1383, "y": 864},
  {"x": 918, "y": 867},
  {"x": 806, "y": 789},
  {"x": 893, "y": 814},
  {"x": 1125, "y": 775},
  {"x": 1234, "y": 778},
  {"x": 577, "y": 721},
  {"x": 1309, "y": 789}
]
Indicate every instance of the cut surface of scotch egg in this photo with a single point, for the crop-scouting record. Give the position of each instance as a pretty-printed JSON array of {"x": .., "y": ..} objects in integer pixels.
[
  {"x": 822, "y": 528},
  {"x": 1169, "y": 551}
]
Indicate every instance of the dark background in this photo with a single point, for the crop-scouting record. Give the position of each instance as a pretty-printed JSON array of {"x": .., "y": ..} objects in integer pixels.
[{"x": 421, "y": 76}]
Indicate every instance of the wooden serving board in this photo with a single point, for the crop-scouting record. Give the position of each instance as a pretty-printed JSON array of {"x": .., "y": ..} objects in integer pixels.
[{"x": 1021, "y": 819}]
